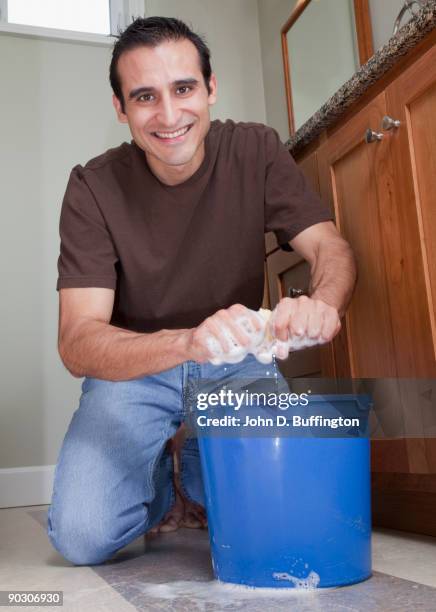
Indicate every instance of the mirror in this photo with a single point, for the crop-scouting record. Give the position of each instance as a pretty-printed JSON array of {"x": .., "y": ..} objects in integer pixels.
[{"x": 324, "y": 42}]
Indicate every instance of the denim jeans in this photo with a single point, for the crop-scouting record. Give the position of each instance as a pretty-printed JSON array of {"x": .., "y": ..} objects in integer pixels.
[{"x": 113, "y": 477}]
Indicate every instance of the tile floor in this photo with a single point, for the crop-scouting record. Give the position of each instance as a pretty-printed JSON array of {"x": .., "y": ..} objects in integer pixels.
[{"x": 175, "y": 575}]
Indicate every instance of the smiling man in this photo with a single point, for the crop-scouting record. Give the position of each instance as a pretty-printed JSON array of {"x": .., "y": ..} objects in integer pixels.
[
  {"x": 165, "y": 99},
  {"x": 162, "y": 248}
]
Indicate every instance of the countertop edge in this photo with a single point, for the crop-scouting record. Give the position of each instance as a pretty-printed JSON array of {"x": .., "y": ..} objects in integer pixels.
[{"x": 368, "y": 74}]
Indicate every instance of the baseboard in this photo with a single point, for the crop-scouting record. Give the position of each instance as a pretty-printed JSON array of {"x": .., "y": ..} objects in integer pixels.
[
  {"x": 404, "y": 501},
  {"x": 26, "y": 486}
]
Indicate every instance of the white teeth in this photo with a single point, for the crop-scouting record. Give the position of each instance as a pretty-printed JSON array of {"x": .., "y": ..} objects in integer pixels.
[{"x": 173, "y": 134}]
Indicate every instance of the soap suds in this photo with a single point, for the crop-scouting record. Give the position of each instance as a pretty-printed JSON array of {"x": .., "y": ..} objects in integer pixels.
[
  {"x": 309, "y": 583},
  {"x": 216, "y": 592},
  {"x": 263, "y": 345}
]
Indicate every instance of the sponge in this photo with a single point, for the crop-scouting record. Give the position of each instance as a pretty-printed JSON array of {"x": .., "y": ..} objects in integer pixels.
[{"x": 264, "y": 346}]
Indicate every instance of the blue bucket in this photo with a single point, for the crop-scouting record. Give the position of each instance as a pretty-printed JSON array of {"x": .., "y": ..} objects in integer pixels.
[{"x": 290, "y": 510}]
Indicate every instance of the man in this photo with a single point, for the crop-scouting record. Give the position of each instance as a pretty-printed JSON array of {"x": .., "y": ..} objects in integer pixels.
[{"x": 162, "y": 247}]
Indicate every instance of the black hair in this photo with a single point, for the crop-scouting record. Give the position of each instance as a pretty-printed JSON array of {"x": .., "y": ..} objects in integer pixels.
[{"x": 151, "y": 31}]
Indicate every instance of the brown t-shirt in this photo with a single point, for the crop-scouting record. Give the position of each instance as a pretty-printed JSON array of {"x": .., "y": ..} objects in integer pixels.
[{"x": 177, "y": 254}]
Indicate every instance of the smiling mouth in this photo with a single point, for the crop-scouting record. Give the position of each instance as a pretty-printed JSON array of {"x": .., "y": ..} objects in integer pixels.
[{"x": 172, "y": 135}]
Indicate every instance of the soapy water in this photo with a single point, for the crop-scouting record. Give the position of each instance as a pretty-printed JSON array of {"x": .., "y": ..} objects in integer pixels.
[
  {"x": 263, "y": 345},
  {"x": 204, "y": 594},
  {"x": 309, "y": 583}
]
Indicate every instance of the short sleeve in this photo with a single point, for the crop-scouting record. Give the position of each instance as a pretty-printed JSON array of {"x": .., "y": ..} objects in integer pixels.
[
  {"x": 87, "y": 253},
  {"x": 291, "y": 205}
]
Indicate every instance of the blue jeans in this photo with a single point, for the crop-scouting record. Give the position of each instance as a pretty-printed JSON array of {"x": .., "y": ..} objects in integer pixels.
[{"x": 113, "y": 479}]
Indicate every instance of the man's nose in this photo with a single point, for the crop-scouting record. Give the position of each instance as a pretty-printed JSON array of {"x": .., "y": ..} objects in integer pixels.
[{"x": 169, "y": 114}]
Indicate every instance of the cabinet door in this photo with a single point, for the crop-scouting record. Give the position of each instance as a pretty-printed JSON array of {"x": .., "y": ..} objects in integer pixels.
[
  {"x": 411, "y": 99},
  {"x": 287, "y": 271},
  {"x": 404, "y": 496},
  {"x": 376, "y": 190},
  {"x": 356, "y": 179}
]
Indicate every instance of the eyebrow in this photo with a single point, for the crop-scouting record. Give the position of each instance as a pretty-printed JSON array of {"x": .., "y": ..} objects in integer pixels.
[{"x": 146, "y": 90}]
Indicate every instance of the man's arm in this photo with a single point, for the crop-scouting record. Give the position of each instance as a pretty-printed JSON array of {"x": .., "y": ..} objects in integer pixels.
[
  {"x": 332, "y": 264},
  {"x": 333, "y": 277},
  {"x": 90, "y": 346}
]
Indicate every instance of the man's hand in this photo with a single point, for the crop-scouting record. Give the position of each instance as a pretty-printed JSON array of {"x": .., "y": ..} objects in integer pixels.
[
  {"x": 217, "y": 328},
  {"x": 304, "y": 317}
]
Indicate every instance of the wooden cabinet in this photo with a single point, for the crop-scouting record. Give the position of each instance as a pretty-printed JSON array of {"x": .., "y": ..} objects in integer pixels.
[
  {"x": 388, "y": 322},
  {"x": 354, "y": 178},
  {"x": 411, "y": 99},
  {"x": 383, "y": 196},
  {"x": 404, "y": 469}
]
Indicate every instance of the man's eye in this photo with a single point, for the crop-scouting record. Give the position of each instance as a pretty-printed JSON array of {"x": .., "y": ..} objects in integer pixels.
[
  {"x": 145, "y": 98},
  {"x": 184, "y": 89}
]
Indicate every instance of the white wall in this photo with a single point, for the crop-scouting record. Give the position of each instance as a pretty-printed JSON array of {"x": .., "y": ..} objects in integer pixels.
[
  {"x": 272, "y": 16},
  {"x": 56, "y": 112}
]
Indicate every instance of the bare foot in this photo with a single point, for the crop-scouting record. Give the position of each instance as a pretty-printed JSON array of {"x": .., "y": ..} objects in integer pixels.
[{"x": 184, "y": 512}]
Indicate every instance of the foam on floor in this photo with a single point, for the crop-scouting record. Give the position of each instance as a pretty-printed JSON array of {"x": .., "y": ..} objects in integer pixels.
[{"x": 220, "y": 593}]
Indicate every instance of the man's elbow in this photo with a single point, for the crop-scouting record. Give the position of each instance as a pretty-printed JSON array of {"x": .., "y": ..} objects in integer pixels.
[{"x": 65, "y": 355}]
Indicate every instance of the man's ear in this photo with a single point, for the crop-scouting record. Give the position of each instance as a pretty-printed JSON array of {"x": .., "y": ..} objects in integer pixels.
[
  {"x": 213, "y": 89},
  {"x": 122, "y": 117}
]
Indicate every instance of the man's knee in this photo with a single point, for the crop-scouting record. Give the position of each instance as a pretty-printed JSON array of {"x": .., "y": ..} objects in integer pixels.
[{"x": 73, "y": 538}]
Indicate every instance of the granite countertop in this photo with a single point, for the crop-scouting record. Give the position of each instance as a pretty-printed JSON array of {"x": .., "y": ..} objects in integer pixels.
[{"x": 384, "y": 58}]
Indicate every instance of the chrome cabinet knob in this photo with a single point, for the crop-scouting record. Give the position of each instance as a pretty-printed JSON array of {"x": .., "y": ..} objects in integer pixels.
[
  {"x": 371, "y": 136},
  {"x": 388, "y": 123},
  {"x": 293, "y": 292}
]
